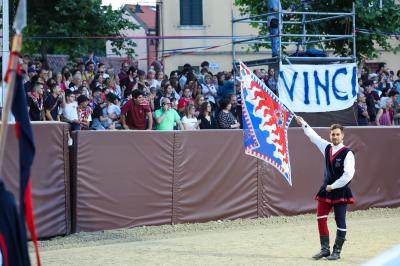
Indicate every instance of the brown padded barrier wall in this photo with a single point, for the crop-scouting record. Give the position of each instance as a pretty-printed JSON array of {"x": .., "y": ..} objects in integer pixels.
[
  {"x": 124, "y": 179},
  {"x": 213, "y": 178},
  {"x": 49, "y": 175},
  {"x": 198, "y": 176}
]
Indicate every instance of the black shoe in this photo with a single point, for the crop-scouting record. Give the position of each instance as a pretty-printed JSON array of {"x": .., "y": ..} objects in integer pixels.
[
  {"x": 337, "y": 248},
  {"x": 325, "y": 252}
]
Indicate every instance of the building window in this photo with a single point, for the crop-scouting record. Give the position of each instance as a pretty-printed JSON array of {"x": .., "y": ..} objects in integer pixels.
[{"x": 191, "y": 12}]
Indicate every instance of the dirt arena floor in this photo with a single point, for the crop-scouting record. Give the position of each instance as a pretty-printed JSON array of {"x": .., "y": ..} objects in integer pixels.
[{"x": 269, "y": 241}]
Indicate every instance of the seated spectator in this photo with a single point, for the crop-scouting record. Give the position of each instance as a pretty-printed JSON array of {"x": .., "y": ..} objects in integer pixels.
[
  {"x": 35, "y": 103},
  {"x": 189, "y": 121},
  {"x": 100, "y": 119},
  {"x": 207, "y": 120},
  {"x": 84, "y": 112},
  {"x": 70, "y": 110},
  {"x": 113, "y": 111},
  {"x": 166, "y": 91},
  {"x": 166, "y": 117},
  {"x": 135, "y": 112},
  {"x": 197, "y": 103},
  {"x": 185, "y": 99},
  {"x": 225, "y": 119},
  {"x": 52, "y": 103}
]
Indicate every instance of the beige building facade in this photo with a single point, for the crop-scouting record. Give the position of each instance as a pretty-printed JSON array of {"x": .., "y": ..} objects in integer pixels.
[{"x": 216, "y": 20}]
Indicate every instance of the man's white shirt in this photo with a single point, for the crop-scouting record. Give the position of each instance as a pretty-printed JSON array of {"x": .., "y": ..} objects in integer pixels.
[{"x": 349, "y": 161}]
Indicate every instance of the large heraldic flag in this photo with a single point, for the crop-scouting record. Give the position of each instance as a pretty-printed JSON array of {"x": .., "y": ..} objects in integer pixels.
[{"x": 266, "y": 121}]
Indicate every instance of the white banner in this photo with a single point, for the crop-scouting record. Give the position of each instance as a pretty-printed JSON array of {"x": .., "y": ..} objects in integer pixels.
[{"x": 318, "y": 88}]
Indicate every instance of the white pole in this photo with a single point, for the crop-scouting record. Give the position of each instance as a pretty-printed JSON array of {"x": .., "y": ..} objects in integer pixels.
[{"x": 6, "y": 48}]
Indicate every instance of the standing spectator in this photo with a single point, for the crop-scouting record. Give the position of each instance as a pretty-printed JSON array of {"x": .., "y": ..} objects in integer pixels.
[
  {"x": 130, "y": 82},
  {"x": 159, "y": 78},
  {"x": 185, "y": 99},
  {"x": 89, "y": 57},
  {"x": 151, "y": 78},
  {"x": 53, "y": 103},
  {"x": 370, "y": 102},
  {"x": 273, "y": 23},
  {"x": 227, "y": 86},
  {"x": 123, "y": 73},
  {"x": 143, "y": 85},
  {"x": 363, "y": 116},
  {"x": 207, "y": 120},
  {"x": 225, "y": 119},
  {"x": 208, "y": 89},
  {"x": 70, "y": 110},
  {"x": 65, "y": 81},
  {"x": 187, "y": 68},
  {"x": 166, "y": 117},
  {"x": 135, "y": 112},
  {"x": 76, "y": 82},
  {"x": 152, "y": 98},
  {"x": 384, "y": 117},
  {"x": 232, "y": 100},
  {"x": 189, "y": 121},
  {"x": 89, "y": 72},
  {"x": 35, "y": 103},
  {"x": 239, "y": 103},
  {"x": 271, "y": 81},
  {"x": 395, "y": 106}
]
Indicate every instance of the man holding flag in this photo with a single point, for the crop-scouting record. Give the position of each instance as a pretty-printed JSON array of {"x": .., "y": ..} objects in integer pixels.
[{"x": 335, "y": 192}]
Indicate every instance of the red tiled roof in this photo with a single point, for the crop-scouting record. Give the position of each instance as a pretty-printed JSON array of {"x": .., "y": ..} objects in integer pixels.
[{"x": 148, "y": 17}]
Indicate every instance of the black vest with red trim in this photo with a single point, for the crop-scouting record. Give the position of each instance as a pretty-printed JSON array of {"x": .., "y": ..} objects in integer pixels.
[{"x": 334, "y": 169}]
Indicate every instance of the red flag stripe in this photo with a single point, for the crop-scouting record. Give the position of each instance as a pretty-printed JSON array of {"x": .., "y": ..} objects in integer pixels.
[
  {"x": 29, "y": 217},
  {"x": 17, "y": 130},
  {"x": 3, "y": 249},
  {"x": 30, "y": 220},
  {"x": 13, "y": 53}
]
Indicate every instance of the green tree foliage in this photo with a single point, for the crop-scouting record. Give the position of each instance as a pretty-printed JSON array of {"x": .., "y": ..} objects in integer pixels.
[
  {"x": 76, "y": 18},
  {"x": 369, "y": 16}
]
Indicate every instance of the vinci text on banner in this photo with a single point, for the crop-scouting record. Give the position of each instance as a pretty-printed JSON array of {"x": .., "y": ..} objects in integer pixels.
[{"x": 318, "y": 88}]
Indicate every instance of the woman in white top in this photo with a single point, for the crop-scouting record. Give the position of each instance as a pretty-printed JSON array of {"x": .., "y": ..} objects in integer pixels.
[
  {"x": 208, "y": 89},
  {"x": 189, "y": 121}
]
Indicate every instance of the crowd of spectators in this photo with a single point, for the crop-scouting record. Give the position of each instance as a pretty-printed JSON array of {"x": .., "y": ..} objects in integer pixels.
[
  {"x": 90, "y": 95},
  {"x": 378, "y": 101}
]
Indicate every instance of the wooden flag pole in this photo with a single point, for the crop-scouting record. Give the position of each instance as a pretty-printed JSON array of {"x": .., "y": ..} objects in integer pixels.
[{"x": 11, "y": 76}]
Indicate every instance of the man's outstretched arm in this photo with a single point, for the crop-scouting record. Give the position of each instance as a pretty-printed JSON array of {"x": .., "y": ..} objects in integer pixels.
[{"x": 312, "y": 135}]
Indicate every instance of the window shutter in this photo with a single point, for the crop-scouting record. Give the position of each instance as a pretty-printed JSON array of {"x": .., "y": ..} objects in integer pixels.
[
  {"x": 191, "y": 12},
  {"x": 197, "y": 12}
]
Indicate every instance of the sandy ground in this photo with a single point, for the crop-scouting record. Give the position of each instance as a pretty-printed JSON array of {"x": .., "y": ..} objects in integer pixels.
[{"x": 269, "y": 241}]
